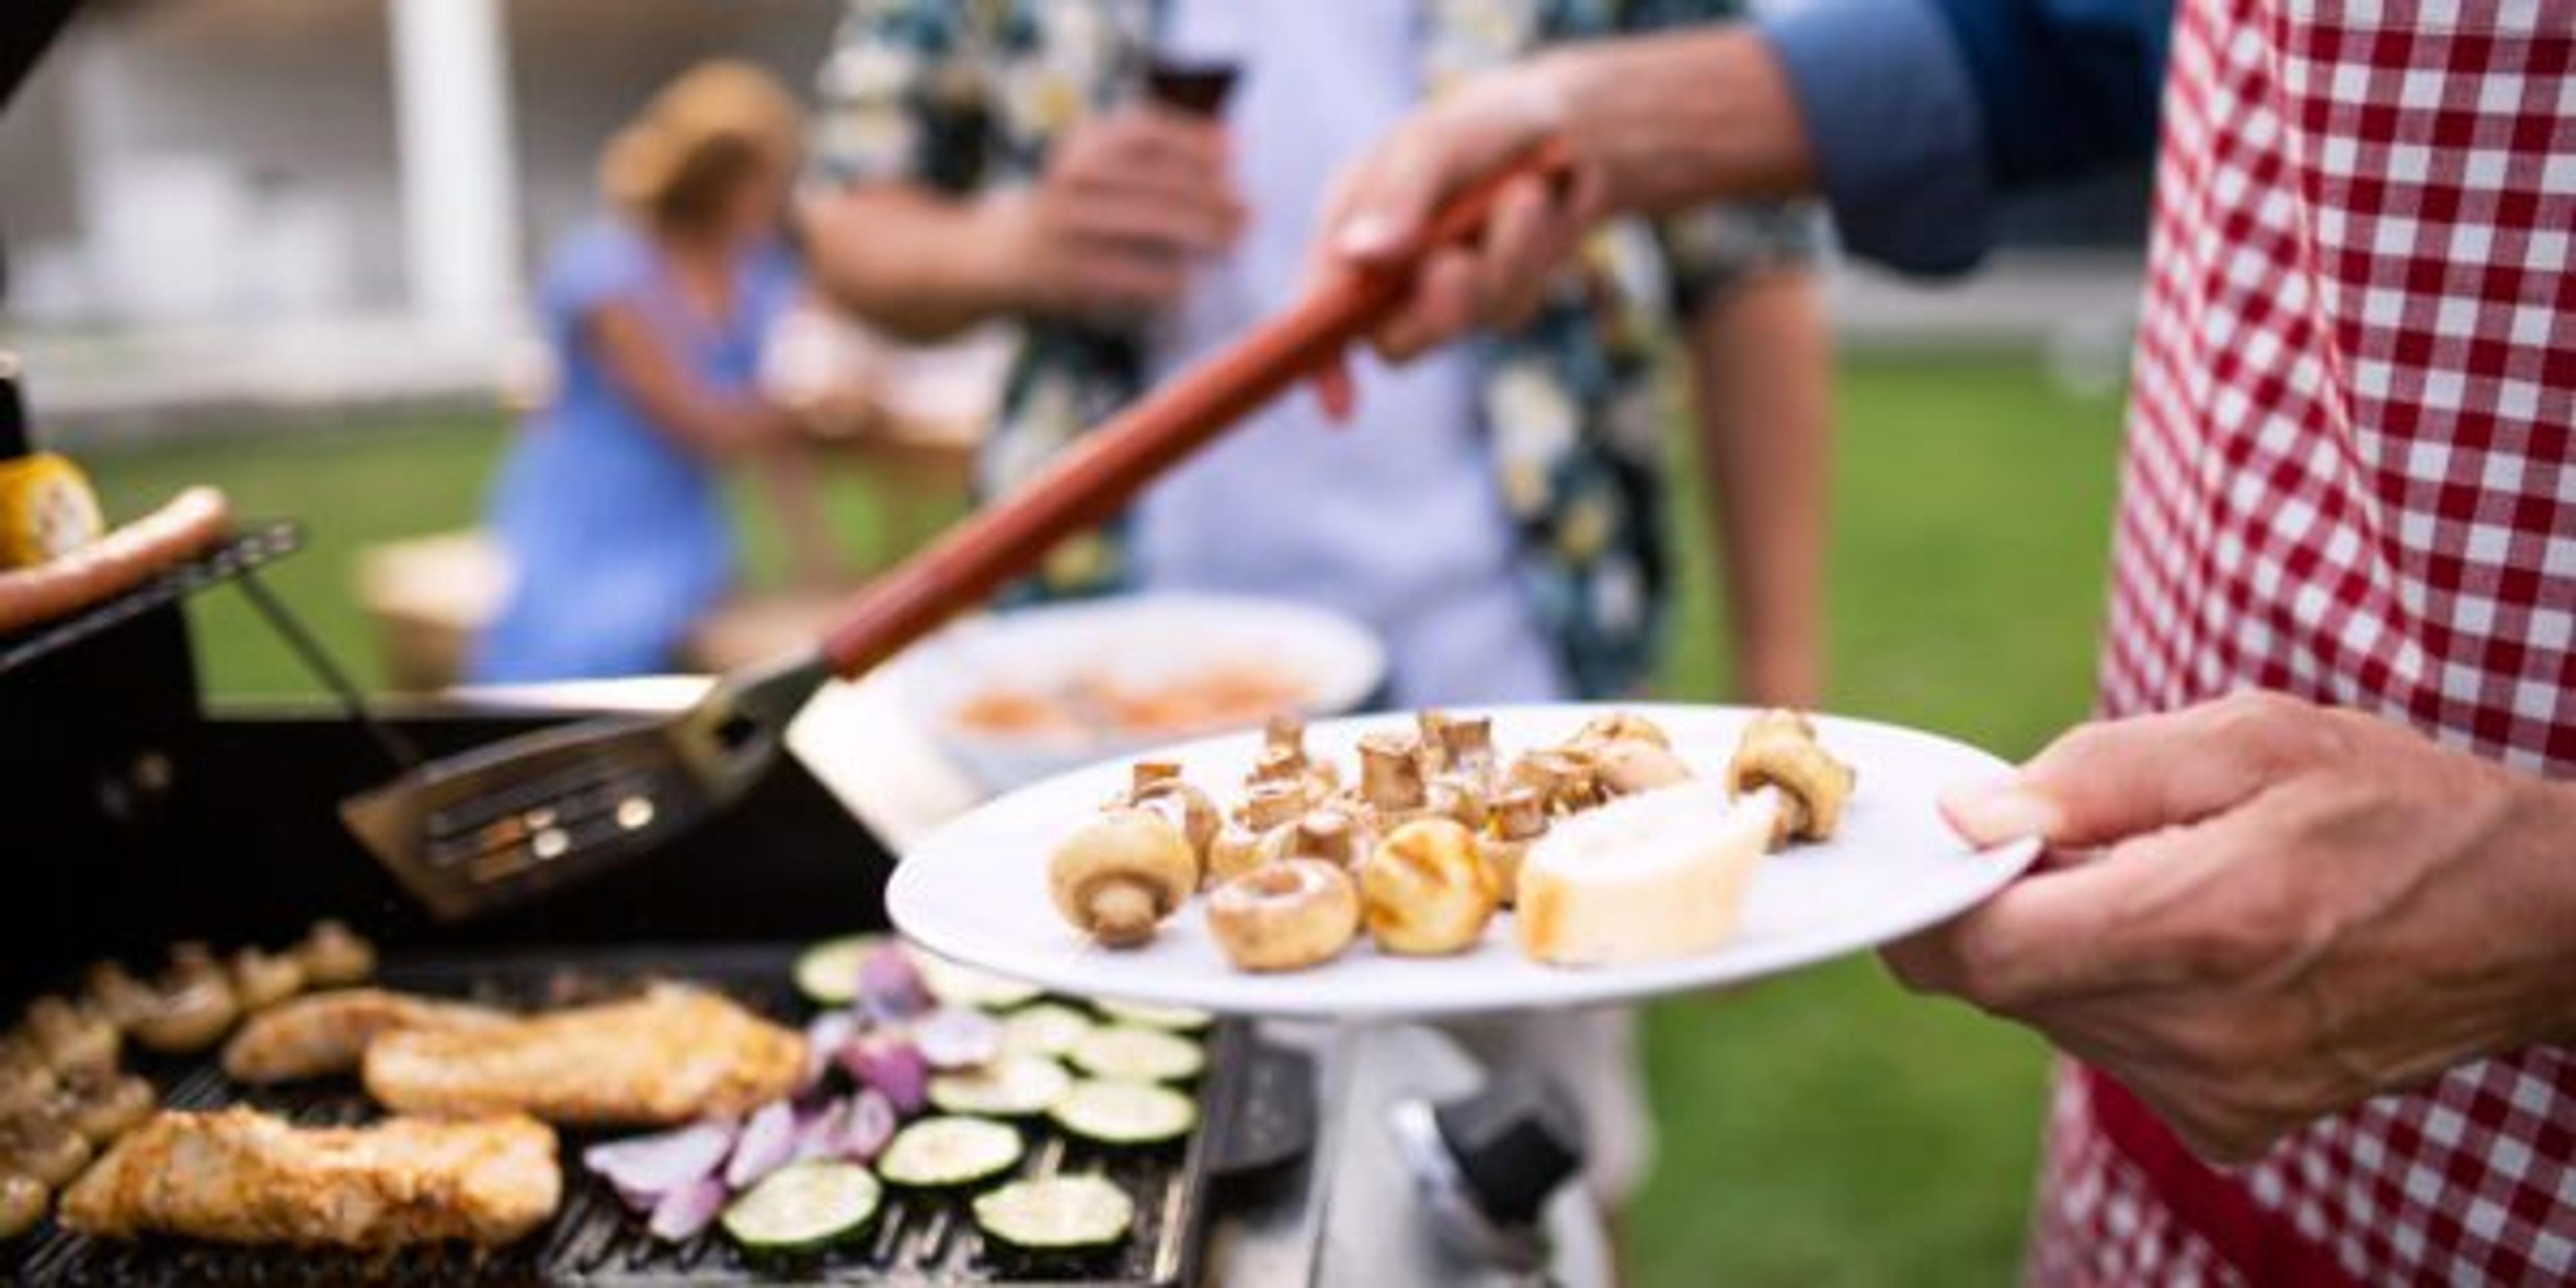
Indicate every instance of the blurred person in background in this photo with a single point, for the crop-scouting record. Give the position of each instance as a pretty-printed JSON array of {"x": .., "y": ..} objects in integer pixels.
[
  {"x": 609, "y": 508},
  {"x": 1495, "y": 516},
  {"x": 2307, "y": 928}
]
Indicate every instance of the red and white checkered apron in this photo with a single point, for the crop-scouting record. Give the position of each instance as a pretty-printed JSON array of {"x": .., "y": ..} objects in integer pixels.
[{"x": 2351, "y": 475}]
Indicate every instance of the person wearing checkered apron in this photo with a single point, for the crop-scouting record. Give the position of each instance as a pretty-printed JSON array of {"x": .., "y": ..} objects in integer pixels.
[{"x": 2306, "y": 929}]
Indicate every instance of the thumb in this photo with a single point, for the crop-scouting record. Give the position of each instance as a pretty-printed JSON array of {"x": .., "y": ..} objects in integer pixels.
[{"x": 2104, "y": 782}]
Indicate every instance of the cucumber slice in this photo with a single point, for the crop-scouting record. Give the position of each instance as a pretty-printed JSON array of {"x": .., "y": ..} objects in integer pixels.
[
  {"x": 1047, "y": 1028},
  {"x": 804, "y": 1205},
  {"x": 959, "y": 984},
  {"x": 828, "y": 973},
  {"x": 1131, "y": 1054},
  {"x": 1125, "y": 1113},
  {"x": 1016, "y": 1086},
  {"x": 1179, "y": 1019},
  {"x": 1057, "y": 1214},
  {"x": 945, "y": 1153}
]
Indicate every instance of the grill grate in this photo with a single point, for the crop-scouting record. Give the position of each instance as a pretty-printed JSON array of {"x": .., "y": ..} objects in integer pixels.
[{"x": 594, "y": 1240}]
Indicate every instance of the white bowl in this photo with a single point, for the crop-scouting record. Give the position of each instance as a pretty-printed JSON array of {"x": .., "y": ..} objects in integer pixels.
[{"x": 1138, "y": 641}]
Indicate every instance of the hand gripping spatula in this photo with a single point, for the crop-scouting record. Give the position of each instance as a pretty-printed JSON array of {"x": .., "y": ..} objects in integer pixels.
[{"x": 496, "y": 824}]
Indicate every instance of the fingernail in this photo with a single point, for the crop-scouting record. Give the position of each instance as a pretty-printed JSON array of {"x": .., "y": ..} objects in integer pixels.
[
  {"x": 1368, "y": 234},
  {"x": 1999, "y": 812}
]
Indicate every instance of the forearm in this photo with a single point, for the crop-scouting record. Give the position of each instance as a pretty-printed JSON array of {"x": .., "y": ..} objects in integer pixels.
[
  {"x": 917, "y": 264},
  {"x": 1760, "y": 363},
  {"x": 2539, "y": 821},
  {"x": 1676, "y": 119}
]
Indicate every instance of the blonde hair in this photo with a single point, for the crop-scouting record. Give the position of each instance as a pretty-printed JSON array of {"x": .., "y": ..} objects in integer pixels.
[{"x": 719, "y": 123}]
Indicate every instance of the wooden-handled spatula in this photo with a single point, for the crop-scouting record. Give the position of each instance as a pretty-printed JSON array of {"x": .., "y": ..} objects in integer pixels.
[{"x": 501, "y": 822}]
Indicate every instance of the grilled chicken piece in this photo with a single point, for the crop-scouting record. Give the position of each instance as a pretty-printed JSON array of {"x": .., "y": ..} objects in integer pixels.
[
  {"x": 241, "y": 1176},
  {"x": 325, "y": 1033},
  {"x": 670, "y": 1056}
]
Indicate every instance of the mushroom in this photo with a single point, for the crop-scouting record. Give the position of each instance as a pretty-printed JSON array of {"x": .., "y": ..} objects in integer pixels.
[
  {"x": 1391, "y": 775},
  {"x": 1779, "y": 749},
  {"x": 262, "y": 980},
  {"x": 22, "y": 1203},
  {"x": 1458, "y": 796},
  {"x": 1284, "y": 916},
  {"x": 69, "y": 1037},
  {"x": 1425, "y": 892},
  {"x": 192, "y": 1004},
  {"x": 1519, "y": 818},
  {"x": 1121, "y": 873},
  {"x": 1619, "y": 726},
  {"x": 1627, "y": 766},
  {"x": 1158, "y": 787},
  {"x": 103, "y": 1104},
  {"x": 334, "y": 956},
  {"x": 1565, "y": 779},
  {"x": 115, "y": 995},
  {"x": 41, "y": 1145},
  {"x": 1267, "y": 808},
  {"x": 1467, "y": 746},
  {"x": 1330, "y": 833}
]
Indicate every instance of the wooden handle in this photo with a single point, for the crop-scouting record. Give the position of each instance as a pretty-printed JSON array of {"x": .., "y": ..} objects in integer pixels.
[{"x": 1090, "y": 481}]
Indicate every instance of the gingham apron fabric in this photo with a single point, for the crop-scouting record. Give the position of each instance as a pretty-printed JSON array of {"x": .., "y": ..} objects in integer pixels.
[{"x": 2351, "y": 475}]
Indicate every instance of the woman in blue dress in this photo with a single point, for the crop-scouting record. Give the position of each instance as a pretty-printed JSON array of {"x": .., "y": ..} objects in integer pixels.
[{"x": 609, "y": 508}]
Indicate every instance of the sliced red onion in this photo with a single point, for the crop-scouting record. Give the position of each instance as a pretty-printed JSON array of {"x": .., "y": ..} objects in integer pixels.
[
  {"x": 957, "y": 1037},
  {"x": 818, "y": 1128},
  {"x": 651, "y": 1167},
  {"x": 870, "y": 1124},
  {"x": 685, "y": 1212},
  {"x": 766, "y": 1141},
  {"x": 824, "y": 1037},
  {"x": 893, "y": 1066},
  {"x": 890, "y": 988}
]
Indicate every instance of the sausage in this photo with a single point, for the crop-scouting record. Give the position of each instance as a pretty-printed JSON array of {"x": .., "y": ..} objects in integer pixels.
[{"x": 115, "y": 563}]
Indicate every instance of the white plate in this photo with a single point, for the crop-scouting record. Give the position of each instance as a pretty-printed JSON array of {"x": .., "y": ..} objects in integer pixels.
[
  {"x": 975, "y": 890},
  {"x": 1137, "y": 640}
]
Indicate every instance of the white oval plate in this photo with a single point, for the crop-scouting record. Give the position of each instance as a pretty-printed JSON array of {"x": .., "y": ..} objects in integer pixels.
[
  {"x": 1139, "y": 640},
  {"x": 975, "y": 890}
]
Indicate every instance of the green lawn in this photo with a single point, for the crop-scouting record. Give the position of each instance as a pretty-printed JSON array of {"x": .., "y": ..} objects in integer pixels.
[{"x": 1825, "y": 1129}]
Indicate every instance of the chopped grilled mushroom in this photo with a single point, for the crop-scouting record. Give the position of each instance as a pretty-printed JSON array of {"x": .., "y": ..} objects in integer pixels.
[
  {"x": 1779, "y": 749},
  {"x": 1390, "y": 774},
  {"x": 69, "y": 1037},
  {"x": 22, "y": 1203},
  {"x": 1121, "y": 873},
  {"x": 262, "y": 980},
  {"x": 1628, "y": 766},
  {"x": 1267, "y": 808},
  {"x": 335, "y": 956},
  {"x": 42, "y": 1145},
  {"x": 103, "y": 1104},
  {"x": 1519, "y": 818}
]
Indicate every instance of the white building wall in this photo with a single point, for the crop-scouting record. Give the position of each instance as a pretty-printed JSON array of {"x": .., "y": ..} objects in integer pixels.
[{"x": 267, "y": 129}]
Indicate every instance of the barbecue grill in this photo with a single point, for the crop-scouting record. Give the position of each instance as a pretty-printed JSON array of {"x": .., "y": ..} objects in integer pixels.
[{"x": 139, "y": 818}]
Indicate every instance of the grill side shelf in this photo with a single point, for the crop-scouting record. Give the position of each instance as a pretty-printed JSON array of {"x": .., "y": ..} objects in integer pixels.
[{"x": 595, "y": 1241}]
